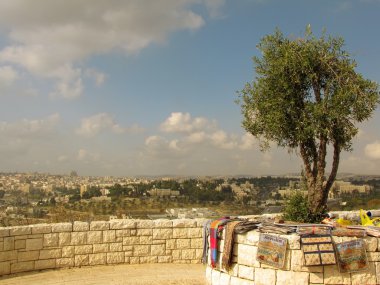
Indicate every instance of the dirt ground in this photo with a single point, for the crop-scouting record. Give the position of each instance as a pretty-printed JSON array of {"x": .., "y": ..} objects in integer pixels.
[{"x": 125, "y": 274}]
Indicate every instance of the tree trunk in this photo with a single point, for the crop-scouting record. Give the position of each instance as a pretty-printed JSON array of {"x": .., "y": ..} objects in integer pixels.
[{"x": 318, "y": 188}]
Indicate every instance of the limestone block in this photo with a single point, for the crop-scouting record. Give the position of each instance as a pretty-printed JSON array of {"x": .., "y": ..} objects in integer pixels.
[
  {"x": 20, "y": 230},
  {"x": 250, "y": 238},
  {"x": 123, "y": 233},
  {"x": 1, "y": 245},
  {"x": 65, "y": 262},
  {"x": 164, "y": 259},
  {"x": 81, "y": 260},
  {"x": 50, "y": 240},
  {"x": 5, "y": 268},
  {"x": 291, "y": 277},
  {"x": 181, "y": 233},
  {"x": 23, "y": 237},
  {"x": 22, "y": 267},
  {"x": 68, "y": 251},
  {"x": 333, "y": 276},
  {"x": 163, "y": 223},
  {"x": 373, "y": 256},
  {"x": 109, "y": 236},
  {"x": 8, "y": 255},
  {"x": 162, "y": 233},
  {"x": 200, "y": 222},
  {"x": 127, "y": 247},
  {"x": 168, "y": 252},
  {"x": 115, "y": 257},
  {"x": 116, "y": 246},
  {"x": 144, "y": 224},
  {"x": 134, "y": 260},
  {"x": 41, "y": 229},
  {"x": 265, "y": 276},
  {"x": 145, "y": 240},
  {"x": 98, "y": 258},
  {"x": 234, "y": 269},
  {"x": 365, "y": 277},
  {"x": 293, "y": 241},
  {"x": 78, "y": 238},
  {"x": 297, "y": 262},
  {"x": 246, "y": 272},
  {"x": 159, "y": 241},
  {"x": 133, "y": 232},
  {"x": 157, "y": 249},
  {"x": 9, "y": 243},
  {"x": 28, "y": 255},
  {"x": 19, "y": 244},
  {"x": 33, "y": 244},
  {"x": 170, "y": 244},
  {"x": 183, "y": 243},
  {"x": 128, "y": 253},
  {"x": 4, "y": 232},
  {"x": 215, "y": 277},
  {"x": 246, "y": 255},
  {"x": 208, "y": 274},
  {"x": 98, "y": 248},
  {"x": 238, "y": 281},
  {"x": 44, "y": 264},
  {"x": 224, "y": 278},
  {"x": 176, "y": 253},
  {"x": 195, "y": 233},
  {"x": 316, "y": 278},
  {"x": 184, "y": 223},
  {"x": 64, "y": 239},
  {"x": 131, "y": 240},
  {"x": 141, "y": 250},
  {"x": 371, "y": 243},
  {"x": 80, "y": 226},
  {"x": 99, "y": 225},
  {"x": 61, "y": 227},
  {"x": 198, "y": 253},
  {"x": 51, "y": 253},
  {"x": 120, "y": 224},
  {"x": 179, "y": 261},
  {"x": 94, "y": 237},
  {"x": 83, "y": 249},
  {"x": 377, "y": 271},
  {"x": 144, "y": 232},
  {"x": 188, "y": 254},
  {"x": 148, "y": 259}
]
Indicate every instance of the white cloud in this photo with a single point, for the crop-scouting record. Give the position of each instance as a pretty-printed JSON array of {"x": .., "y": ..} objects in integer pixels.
[
  {"x": 183, "y": 123},
  {"x": 7, "y": 76},
  {"x": 372, "y": 150},
  {"x": 220, "y": 139},
  {"x": 93, "y": 125},
  {"x": 86, "y": 156},
  {"x": 29, "y": 128},
  {"x": 48, "y": 36},
  {"x": 62, "y": 158},
  {"x": 248, "y": 141}
]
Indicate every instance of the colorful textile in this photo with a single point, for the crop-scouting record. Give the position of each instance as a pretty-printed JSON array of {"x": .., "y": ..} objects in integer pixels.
[
  {"x": 228, "y": 243},
  {"x": 206, "y": 233},
  {"x": 214, "y": 227}
]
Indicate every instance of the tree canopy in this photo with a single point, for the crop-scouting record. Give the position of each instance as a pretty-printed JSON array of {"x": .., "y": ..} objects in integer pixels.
[{"x": 306, "y": 96}]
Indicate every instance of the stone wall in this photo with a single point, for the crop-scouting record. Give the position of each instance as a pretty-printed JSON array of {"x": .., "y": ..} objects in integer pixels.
[
  {"x": 44, "y": 246},
  {"x": 246, "y": 270}
]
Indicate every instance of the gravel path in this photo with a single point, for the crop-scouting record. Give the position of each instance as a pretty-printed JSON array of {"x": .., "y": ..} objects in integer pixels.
[{"x": 125, "y": 274}]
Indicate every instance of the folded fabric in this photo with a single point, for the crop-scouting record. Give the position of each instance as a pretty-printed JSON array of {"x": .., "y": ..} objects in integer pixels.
[
  {"x": 206, "y": 233},
  {"x": 228, "y": 243},
  {"x": 314, "y": 230},
  {"x": 214, "y": 226},
  {"x": 272, "y": 228},
  {"x": 345, "y": 232}
]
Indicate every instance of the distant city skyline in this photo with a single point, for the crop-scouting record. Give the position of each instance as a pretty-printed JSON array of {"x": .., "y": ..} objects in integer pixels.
[{"x": 138, "y": 87}]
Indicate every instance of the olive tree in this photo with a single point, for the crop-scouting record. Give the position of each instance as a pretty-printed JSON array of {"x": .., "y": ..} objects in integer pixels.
[{"x": 307, "y": 97}]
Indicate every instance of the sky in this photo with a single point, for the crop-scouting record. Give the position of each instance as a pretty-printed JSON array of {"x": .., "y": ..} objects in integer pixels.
[{"x": 148, "y": 87}]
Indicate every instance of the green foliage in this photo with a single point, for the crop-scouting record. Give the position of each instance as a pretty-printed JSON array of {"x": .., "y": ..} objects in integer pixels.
[
  {"x": 296, "y": 208},
  {"x": 307, "y": 95}
]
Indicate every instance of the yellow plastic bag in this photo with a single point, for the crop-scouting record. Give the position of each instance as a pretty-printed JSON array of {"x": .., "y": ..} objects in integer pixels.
[{"x": 367, "y": 221}]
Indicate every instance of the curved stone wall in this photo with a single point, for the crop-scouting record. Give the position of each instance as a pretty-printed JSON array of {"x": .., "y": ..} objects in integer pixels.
[
  {"x": 44, "y": 246},
  {"x": 246, "y": 270}
]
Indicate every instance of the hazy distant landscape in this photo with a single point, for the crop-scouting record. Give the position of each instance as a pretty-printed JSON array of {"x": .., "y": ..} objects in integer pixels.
[{"x": 28, "y": 198}]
